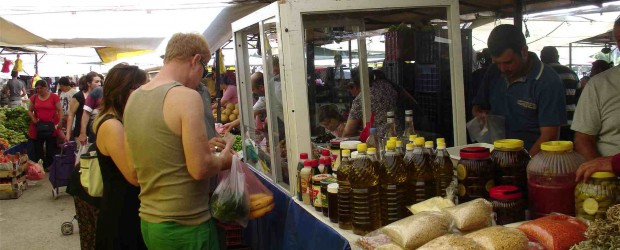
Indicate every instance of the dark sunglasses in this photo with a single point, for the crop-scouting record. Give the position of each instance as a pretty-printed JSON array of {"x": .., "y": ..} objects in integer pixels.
[{"x": 204, "y": 72}]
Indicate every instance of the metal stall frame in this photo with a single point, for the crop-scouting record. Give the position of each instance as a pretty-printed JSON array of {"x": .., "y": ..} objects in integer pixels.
[{"x": 293, "y": 64}]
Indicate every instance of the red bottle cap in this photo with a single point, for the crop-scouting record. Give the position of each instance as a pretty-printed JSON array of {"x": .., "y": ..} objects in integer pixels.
[
  {"x": 315, "y": 163},
  {"x": 325, "y": 152},
  {"x": 308, "y": 163},
  {"x": 321, "y": 161},
  {"x": 505, "y": 193},
  {"x": 475, "y": 153},
  {"x": 303, "y": 156}
]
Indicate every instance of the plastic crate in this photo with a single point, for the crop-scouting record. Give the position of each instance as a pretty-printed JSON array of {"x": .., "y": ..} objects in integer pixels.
[
  {"x": 427, "y": 78},
  {"x": 399, "y": 46},
  {"x": 231, "y": 235},
  {"x": 427, "y": 50}
]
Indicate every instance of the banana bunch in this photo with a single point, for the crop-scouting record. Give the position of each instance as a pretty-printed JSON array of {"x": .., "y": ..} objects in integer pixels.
[{"x": 260, "y": 204}]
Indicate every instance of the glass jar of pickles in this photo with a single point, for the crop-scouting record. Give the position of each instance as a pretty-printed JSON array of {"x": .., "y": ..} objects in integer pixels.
[
  {"x": 474, "y": 173},
  {"x": 592, "y": 198}
]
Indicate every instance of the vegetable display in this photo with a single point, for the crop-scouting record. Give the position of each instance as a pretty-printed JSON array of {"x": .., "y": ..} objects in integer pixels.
[
  {"x": 237, "y": 145},
  {"x": 14, "y": 123}
]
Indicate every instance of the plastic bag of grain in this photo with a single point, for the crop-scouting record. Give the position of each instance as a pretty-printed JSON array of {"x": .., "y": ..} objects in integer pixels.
[
  {"x": 416, "y": 230},
  {"x": 500, "y": 238},
  {"x": 556, "y": 231},
  {"x": 432, "y": 204},
  {"x": 451, "y": 242},
  {"x": 377, "y": 241},
  {"x": 471, "y": 215}
]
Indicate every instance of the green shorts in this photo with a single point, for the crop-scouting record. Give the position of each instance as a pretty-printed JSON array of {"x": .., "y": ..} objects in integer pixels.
[{"x": 171, "y": 235}]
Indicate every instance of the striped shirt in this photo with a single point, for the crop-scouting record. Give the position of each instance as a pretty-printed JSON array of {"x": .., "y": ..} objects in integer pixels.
[{"x": 571, "y": 83}]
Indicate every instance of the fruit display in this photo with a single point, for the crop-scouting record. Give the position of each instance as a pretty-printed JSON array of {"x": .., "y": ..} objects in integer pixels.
[
  {"x": 229, "y": 113},
  {"x": 260, "y": 204}
]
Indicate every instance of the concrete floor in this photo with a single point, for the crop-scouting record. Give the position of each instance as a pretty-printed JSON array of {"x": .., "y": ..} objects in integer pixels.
[{"x": 33, "y": 221}]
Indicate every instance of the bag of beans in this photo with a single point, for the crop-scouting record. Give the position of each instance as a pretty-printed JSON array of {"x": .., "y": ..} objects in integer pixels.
[
  {"x": 416, "y": 230},
  {"x": 499, "y": 238},
  {"x": 558, "y": 231},
  {"x": 451, "y": 242},
  {"x": 471, "y": 215}
]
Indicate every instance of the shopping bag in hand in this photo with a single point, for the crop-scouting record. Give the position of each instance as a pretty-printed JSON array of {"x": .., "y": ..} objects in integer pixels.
[
  {"x": 261, "y": 199},
  {"x": 230, "y": 201}
]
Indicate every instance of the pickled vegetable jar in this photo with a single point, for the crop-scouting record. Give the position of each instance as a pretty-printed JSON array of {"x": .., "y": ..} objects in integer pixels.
[
  {"x": 551, "y": 179},
  {"x": 511, "y": 161},
  {"x": 475, "y": 173},
  {"x": 592, "y": 198},
  {"x": 508, "y": 204}
]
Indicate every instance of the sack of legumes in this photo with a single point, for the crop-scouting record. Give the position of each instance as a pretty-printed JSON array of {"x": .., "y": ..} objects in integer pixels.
[
  {"x": 472, "y": 215},
  {"x": 451, "y": 242},
  {"x": 416, "y": 230}
]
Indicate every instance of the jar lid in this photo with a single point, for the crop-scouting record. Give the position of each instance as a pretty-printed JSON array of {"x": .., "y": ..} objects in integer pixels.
[
  {"x": 362, "y": 147},
  {"x": 303, "y": 156},
  {"x": 600, "y": 175},
  {"x": 475, "y": 153},
  {"x": 352, "y": 145},
  {"x": 557, "y": 146},
  {"x": 505, "y": 193},
  {"x": 332, "y": 188},
  {"x": 508, "y": 144}
]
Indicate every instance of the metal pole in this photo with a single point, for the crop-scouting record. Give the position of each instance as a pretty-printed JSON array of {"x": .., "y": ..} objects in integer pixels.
[
  {"x": 36, "y": 63},
  {"x": 518, "y": 20},
  {"x": 570, "y": 55},
  {"x": 218, "y": 95}
]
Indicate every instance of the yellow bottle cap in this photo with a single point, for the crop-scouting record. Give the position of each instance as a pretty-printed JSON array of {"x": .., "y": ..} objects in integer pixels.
[
  {"x": 557, "y": 146},
  {"x": 391, "y": 144},
  {"x": 441, "y": 140},
  {"x": 419, "y": 141},
  {"x": 412, "y": 137},
  {"x": 399, "y": 144},
  {"x": 600, "y": 175},
  {"x": 346, "y": 152},
  {"x": 371, "y": 151},
  {"x": 429, "y": 144},
  {"x": 393, "y": 138},
  {"x": 508, "y": 144},
  {"x": 441, "y": 145},
  {"x": 362, "y": 147},
  {"x": 410, "y": 146}
]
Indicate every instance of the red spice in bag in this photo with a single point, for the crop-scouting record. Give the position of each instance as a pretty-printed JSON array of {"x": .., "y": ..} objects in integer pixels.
[{"x": 558, "y": 232}]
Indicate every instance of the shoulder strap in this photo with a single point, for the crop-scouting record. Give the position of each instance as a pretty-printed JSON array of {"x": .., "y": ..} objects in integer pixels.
[{"x": 105, "y": 118}]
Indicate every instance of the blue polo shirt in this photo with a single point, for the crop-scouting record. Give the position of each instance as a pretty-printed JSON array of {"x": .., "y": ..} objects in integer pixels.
[{"x": 534, "y": 101}]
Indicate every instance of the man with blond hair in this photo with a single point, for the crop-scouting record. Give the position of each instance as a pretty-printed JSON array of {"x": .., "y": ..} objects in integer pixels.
[{"x": 171, "y": 152}]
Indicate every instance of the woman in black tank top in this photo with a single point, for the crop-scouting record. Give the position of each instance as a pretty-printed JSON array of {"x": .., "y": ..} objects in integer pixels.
[{"x": 118, "y": 225}]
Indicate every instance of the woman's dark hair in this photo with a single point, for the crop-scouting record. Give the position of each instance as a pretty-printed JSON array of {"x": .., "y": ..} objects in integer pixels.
[
  {"x": 91, "y": 75},
  {"x": 41, "y": 83},
  {"x": 503, "y": 37},
  {"x": 83, "y": 85},
  {"x": 121, "y": 80},
  {"x": 599, "y": 66},
  {"x": 329, "y": 112}
]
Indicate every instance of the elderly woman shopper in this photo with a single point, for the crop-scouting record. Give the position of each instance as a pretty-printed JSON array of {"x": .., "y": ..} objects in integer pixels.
[{"x": 45, "y": 112}]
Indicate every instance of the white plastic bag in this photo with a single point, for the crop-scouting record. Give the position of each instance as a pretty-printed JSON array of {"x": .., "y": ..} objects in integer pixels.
[
  {"x": 230, "y": 201},
  {"x": 487, "y": 130}
]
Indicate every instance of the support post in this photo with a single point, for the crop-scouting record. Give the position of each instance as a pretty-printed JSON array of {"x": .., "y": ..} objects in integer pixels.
[
  {"x": 518, "y": 20},
  {"x": 218, "y": 95},
  {"x": 570, "y": 55}
]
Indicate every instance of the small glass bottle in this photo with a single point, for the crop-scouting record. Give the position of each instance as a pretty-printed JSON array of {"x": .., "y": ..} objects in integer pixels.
[{"x": 409, "y": 128}]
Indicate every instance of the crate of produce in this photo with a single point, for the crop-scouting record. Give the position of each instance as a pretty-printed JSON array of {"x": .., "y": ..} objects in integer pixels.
[
  {"x": 231, "y": 235},
  {"x": 12, "y": 188}
]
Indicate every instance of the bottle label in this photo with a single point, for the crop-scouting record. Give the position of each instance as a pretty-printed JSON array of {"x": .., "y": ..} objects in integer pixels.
[
  {"x": 316, "y": 196},
  {"x": 335, "y": 160},
  {"x": 324, "y": 200},
  {"x": 304, "y": 185}
]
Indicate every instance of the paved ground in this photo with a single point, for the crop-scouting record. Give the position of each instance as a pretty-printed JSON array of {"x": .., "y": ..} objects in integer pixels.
[{"x": 33, "y": 221}]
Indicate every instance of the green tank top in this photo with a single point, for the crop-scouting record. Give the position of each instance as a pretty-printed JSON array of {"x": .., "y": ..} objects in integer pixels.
[{"x": 168, "y": 193}]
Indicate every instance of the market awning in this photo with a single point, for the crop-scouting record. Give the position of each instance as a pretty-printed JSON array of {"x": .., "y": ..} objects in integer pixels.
[
  {"x": 14, "y": 35},
  {"x": 219, "y": 31}
]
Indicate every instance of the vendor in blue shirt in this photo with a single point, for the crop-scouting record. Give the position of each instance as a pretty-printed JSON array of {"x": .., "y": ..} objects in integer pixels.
[{"x": 527, "y": 93}]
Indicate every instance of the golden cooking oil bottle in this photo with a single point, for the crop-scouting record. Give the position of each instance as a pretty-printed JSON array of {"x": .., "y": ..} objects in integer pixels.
[
  {"x": 393, "y": 189},
  {"x": 344, "y": 191},
  {"x": 364, "y": 177},
  {"x": 429, "y": 149},
  {"x": 443, "y": 169},
  {"x": 411, "y": 171},
  {"x": 423, "y": 181},
  {"x": 399, "y": 149}
]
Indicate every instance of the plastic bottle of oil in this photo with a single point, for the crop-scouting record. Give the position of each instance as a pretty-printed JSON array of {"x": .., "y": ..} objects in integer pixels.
[
  {"x": 344, "y": 191},
  {"x": 443, "y": 169},
  {"x": 423, "y": 181},
  {"x": 399, "y": 149},
  {"x": 364, "y": 177},
  {"x": 411, "y": 171},
  {"x": 429, "y": 148},
  {"x": 393, "y": 189},
  {"x": 374, "y": 141}
]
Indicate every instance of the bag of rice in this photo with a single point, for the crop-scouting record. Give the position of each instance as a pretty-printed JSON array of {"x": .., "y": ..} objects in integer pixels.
[
  {"x": 500, "y": 238},
  {"x": 451, "y": 242},
  {"x": 471, "y": 215},
  {"x": 416, "y": 230},
  {"x": 374, "y": 242},
  {"x": 432, "y": 204}
]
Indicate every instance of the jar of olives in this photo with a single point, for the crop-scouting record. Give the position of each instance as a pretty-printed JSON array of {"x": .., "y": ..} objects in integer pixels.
[{"x": 592, "y": 198}]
